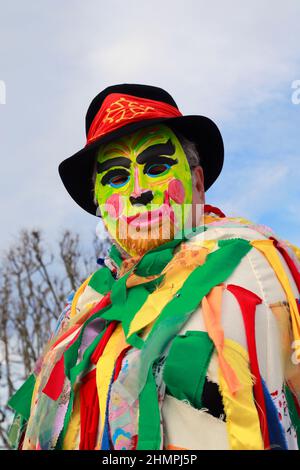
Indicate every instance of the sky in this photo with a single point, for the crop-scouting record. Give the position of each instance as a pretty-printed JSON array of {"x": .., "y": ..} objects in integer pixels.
[{"x": 235, "y": 62}]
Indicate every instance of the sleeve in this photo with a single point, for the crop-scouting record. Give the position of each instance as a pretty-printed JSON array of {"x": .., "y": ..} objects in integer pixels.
[
  {"x": 20, "y": 402},
  {"x": 29, "y": 400}
]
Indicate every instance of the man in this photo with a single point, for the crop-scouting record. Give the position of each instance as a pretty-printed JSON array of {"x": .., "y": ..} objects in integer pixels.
[{"x": 188, "y": 336}]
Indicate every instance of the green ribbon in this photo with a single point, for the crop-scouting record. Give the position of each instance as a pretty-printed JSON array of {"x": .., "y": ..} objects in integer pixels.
[
  {"x": 186, "y": 366},
  {"x": 21, "y": 400},
  {"x": 154, "y": 261},
  {"x": 102, "y": 280},
  {"x": 115, "y": 255},
  {"x": 151, "y": 264},
  {"x": 184, "y": 374}
]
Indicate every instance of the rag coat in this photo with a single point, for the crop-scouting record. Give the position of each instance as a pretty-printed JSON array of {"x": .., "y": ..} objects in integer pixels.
[{"x": 196, "y": 345}]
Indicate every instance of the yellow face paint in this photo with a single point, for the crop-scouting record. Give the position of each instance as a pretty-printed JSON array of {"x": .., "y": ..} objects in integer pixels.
[{"x": 143, "y": 188}]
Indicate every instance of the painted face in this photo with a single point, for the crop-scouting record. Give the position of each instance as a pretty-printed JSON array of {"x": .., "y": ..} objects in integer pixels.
[{"x": 143, "y": 188}]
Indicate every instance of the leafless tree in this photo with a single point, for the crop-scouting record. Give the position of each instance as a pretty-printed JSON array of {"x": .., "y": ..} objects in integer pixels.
[{"x": 35, "y": 281}]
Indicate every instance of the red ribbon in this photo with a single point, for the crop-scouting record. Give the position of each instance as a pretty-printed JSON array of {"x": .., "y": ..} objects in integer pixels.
[
  {"x": 55, "y": 383},
  {"x": 214, "y": 210},
  {"x": 89, "y": 412},
  {"x": 103, "y": 342},
  {"x": 89, "y": 402},
  {"x": 119, "y": 362},
  {"x": 248, "y": 301}
]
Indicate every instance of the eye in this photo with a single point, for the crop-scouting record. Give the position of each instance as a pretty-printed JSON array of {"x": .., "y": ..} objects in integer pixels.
[
  {"x": 118, "y": 181},
  {"x": 157, "y": 169}
]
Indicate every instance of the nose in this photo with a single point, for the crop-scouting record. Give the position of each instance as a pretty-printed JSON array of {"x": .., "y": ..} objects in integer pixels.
[
  {"x": 139, "y": 197},
  {"x": 142, "y": 199}
]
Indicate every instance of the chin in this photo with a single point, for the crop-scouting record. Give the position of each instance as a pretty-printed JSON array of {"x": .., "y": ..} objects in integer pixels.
[{"x": 138, "y": 240}]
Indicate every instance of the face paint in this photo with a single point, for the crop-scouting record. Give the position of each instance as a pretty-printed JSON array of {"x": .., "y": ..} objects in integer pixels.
[{"x": 143, "y": 188}]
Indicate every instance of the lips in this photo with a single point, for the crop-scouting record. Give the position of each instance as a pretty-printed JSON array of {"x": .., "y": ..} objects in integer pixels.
[{"x": 151, "y": 217}]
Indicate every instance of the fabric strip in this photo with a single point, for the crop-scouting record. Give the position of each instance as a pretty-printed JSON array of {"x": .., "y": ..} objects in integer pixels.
[
  {"x": 248, "y": 301},
  {"x": 276, "y": 433},
  {"x": 186, "y": 366},
  {"x": 242, "y": 419},
  {"x": 211, "y": 308},
  {"x": 21, "y": 400},
  {"x": 105, "y": 368},
  {"x": 289, "y": 261},
  {"x": 267, "y": 248}
]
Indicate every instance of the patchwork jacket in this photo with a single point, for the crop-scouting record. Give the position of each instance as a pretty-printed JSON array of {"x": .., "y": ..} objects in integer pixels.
[{"x": 194, "y": 346}]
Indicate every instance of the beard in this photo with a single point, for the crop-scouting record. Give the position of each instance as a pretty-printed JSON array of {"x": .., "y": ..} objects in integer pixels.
[{"x": 136, "y": 241}]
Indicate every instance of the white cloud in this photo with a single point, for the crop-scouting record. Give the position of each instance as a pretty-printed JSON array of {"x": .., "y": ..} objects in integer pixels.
[
  {"x": 252, "y": 190},
  {"x": 216, "y": 57}
]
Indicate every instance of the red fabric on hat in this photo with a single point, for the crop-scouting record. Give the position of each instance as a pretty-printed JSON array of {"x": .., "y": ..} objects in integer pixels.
[
  {"x": 119, "y": 109},
  {"x": 248, "y": 301}
]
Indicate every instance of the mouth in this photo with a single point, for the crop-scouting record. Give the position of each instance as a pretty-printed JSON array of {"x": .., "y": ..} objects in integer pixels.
[{"x": 144, "y": 219}]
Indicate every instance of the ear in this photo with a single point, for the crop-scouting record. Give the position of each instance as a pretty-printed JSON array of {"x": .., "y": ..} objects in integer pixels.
[{"x": 198, "y": 182}]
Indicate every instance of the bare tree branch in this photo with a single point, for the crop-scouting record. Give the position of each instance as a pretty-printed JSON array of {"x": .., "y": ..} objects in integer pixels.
[{"x": 34, "y": 284}]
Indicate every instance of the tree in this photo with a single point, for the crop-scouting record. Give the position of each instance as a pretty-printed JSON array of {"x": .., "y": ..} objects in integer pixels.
[{"x": 35, "y": 281}]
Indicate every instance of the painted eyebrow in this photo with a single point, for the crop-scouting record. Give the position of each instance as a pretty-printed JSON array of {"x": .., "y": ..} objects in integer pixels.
[
  {"x": 117, "y": 161},
  {"x": 159, "y": 149}
]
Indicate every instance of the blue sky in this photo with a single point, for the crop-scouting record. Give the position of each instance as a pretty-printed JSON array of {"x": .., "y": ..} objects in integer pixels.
[{"x": 232, "y": 61}]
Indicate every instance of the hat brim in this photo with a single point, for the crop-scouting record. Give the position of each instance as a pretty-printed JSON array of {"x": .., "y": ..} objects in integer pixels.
[{"x": 76, "y": 171}]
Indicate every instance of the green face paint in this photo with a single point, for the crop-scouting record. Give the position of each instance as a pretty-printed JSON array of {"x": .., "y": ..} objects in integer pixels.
[{"x": 143, "y": 188}]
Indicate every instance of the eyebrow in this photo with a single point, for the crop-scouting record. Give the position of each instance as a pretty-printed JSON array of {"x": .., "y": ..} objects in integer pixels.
[
  {"x": 112, "y": 162},
  {"x": 159, "y": 149}
]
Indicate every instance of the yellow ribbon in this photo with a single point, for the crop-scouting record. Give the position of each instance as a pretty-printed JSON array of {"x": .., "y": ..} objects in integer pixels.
[
  {"x": 104, "y": 370},
  {"x": 268, "y": 249},
  {"x": 71, "y": 438},
  {"x": 77, "y": 295},
  {"x": 241, "y": 414}
]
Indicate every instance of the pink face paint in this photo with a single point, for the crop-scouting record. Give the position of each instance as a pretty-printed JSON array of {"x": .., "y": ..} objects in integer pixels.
[
  {"x": 114, "y": 206},
  {"x": 176, "y": 191}
]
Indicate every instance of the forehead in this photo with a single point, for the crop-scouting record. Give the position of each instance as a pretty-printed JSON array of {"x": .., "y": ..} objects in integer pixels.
[{"x": 135, "y": 143}]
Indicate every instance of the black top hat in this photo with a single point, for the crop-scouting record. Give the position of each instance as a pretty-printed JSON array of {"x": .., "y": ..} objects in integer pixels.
[{"x": 122, "y": 109}]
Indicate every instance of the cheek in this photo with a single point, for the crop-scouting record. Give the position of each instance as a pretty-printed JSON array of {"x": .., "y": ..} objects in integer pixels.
[
  {"x": 114, "y": 206},
  {"x": 176, "y": 191}
]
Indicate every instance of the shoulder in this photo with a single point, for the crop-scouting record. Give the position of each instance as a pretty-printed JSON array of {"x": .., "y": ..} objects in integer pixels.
[{"x": 269, "y": 267}]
